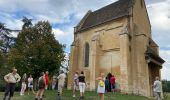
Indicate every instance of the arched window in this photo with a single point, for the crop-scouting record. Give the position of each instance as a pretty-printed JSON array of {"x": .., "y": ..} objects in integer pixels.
[{"x": 87, "y": 51}]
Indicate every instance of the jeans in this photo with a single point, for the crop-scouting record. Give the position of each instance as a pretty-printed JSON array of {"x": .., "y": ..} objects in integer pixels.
[{"x": 10, "y": 88}]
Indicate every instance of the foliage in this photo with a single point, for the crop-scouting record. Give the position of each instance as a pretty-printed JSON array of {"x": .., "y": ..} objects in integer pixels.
[
  {"x": 36, "y": 50},
  {"x": 6, "y": 39},
  {"x": 166, "y": 86}
]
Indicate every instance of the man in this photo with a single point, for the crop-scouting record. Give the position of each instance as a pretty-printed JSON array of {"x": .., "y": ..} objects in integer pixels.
[
  {"x": 157, "y": 89},
  {"x": 61, "y": 80},
  {"x": 11, "y": 79}
]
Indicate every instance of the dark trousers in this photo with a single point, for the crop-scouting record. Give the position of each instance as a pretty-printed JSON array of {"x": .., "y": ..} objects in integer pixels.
[{"x": 10, "y": 88}]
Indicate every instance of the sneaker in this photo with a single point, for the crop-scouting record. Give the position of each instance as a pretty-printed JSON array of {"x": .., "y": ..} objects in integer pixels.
[{"x": 74, "y": 96}]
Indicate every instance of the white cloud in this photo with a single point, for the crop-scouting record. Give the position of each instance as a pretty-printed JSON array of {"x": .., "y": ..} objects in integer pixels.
[
  {"x": 65, "y": 12},
  {"x": 9, "y": 21},
  {"x": 165, "y": 54},
  {"x": 58, "y": 32}
]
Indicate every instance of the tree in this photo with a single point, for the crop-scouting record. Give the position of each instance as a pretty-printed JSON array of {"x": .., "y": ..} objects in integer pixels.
[
  {"x": 6, "y": 40},
  {"x": 27, "y": 22},
  {"x": 166, "y": 86},
  {"x": 37, "y": 50}
]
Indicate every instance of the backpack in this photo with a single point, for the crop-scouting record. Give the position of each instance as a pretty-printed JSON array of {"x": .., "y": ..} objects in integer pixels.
[
  {"x": 41, "y": 82},
  {"x": 101, "y": 83}
]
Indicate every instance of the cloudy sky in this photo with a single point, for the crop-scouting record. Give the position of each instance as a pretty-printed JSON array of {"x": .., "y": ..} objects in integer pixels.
[{"x": 65, "y": 14}]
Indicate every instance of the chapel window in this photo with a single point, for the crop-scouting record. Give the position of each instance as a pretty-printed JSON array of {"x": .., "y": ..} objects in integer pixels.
[{"x": 87, "y": 51}]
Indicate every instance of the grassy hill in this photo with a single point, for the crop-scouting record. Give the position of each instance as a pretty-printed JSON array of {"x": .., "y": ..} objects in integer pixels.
[{"x": 67, "y": 95}]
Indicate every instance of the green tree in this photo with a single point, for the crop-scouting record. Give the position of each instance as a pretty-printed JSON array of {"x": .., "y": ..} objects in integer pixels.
[
  {"x": 37, "y": 50},
  {"x": 166, "y": 86}
]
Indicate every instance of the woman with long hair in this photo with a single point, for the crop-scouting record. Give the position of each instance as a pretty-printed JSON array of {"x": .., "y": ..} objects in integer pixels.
[
  {"x": 23, "y": 85},
  {"x": 82, "y": 85}
]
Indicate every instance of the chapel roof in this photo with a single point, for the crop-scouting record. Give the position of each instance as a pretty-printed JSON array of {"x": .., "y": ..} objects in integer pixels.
[{"x": 110, "y": 12}]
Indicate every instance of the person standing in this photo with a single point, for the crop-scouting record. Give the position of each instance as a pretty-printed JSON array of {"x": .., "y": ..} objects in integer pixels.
[
  {"x": 109, "y": 77},
  {"x": 46, "y": 80},
  {"x": 101, "y": 86},
  {"x": 75, "y": 83},
  {"x": 11, "y": 79},
  {"x": 82, "y": 84},
  {"x": 157, "y": 89},
  {"x": 41, "y": 86},
  {"x": 54, "y": 81},
  {"x": 112, "y": 82},
  {"x": 30, "y": 84},
  {"x": 61, "y": 81},
  {"x": 106, "y": 84},
  {"x": 23, "y": 85}
]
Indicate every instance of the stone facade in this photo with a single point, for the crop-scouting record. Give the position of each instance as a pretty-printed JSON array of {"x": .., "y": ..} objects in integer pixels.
[{"x": 118, "y": 46}]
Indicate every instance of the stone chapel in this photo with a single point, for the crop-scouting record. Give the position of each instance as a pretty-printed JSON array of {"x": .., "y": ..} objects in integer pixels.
[{"x": 117, "y": 39}]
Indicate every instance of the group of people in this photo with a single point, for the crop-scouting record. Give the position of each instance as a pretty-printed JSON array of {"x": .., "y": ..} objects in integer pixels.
[
  {"x": 24, "y": 84},
  {"x": 105, "y": 84}
]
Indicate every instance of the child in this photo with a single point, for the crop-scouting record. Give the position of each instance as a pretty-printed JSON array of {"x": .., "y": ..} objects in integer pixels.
[
  {"x": 101, "y": 86},
  {"x": 106, "y": 84}
]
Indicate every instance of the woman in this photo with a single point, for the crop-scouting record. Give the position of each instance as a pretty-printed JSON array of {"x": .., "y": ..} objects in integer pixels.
[
  {"x": 101, "y": 86},
  {"x": 82, "y": 84},
  {"x": 75, "y": 83},
  {"x": 23, "y": 86},
  {"x": 30, "y": 83},
  {"x": 41, "y": 86}
]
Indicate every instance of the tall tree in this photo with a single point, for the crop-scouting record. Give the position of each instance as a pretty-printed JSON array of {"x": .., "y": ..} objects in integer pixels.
[
  {"x": 37, "y": 50},
  {"x": 6, "y": 39}
]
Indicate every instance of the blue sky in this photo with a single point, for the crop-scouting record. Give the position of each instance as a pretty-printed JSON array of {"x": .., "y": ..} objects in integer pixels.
[{"x": 65, "y": 14}]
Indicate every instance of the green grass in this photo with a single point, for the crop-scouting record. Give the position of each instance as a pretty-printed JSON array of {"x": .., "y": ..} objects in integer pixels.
[{"x": 67, "y": 95}]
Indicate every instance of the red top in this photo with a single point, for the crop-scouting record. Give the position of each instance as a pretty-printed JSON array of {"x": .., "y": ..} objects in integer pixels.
[
  {"x": 112, "y": 80},
  {"x": 46, "y": 79}
]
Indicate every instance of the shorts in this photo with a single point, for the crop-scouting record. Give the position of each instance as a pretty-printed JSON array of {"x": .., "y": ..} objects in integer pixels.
[
  {"x": 82, "y": 86},
  {"x": 75, "y": 86},
  {"x": 41, "y": 87},
  {"x": 60, "y": 88},
  {"x": 30, "y": 85}
]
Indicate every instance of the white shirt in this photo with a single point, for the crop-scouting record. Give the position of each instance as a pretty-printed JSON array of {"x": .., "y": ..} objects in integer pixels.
[
  {"x": 157, "y": 86},
  {"x": 76, "y": 76},
  {"x": 30, "y": 80},
  {"x": 61, "y": 79},
  {"x": 11, "y": 78}
]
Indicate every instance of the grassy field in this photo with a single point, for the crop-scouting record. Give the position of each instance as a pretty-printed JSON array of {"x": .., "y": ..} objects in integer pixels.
[{"x": 67, "y": 95}]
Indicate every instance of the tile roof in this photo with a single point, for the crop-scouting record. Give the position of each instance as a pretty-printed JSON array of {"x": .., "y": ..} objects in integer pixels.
[{"x": 107, "y": 13}]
